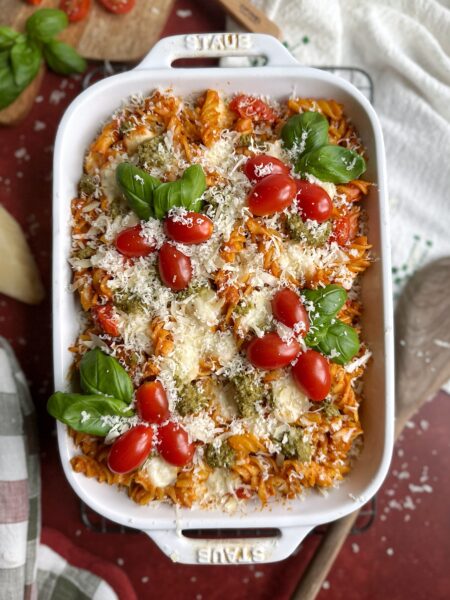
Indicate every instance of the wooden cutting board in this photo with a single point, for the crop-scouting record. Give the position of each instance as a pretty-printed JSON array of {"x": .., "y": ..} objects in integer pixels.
[{"x": 101, "y": 36}]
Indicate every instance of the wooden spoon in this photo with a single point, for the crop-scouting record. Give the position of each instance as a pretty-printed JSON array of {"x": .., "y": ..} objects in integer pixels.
[
  {"x": 251, "y": 17},
  {"x": 422, "y": 353}
]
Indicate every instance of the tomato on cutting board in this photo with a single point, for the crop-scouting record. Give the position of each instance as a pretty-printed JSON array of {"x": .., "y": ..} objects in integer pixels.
[
  {"x": 175, "y": 268},
  {"x": 272, "y": 194},
  {"x": 288, "y": 308},
  {"x": 271, "y": 352},
  {"x": 174, "y": 444},
  {"x": 118, "y": 7},
  {"x": 130, "y": 242},
  {"x": 106, "y": 318},
  {"x": 191, "y": 228},
  {"x": 258, "y": 167},
  {"x": 313, "y": 201},
  {"x": 76, "y": 10},
  {"x": 131, "y": 449},
  {"x": 312, "y": 376},
  {"x": 151, "y": 402}
]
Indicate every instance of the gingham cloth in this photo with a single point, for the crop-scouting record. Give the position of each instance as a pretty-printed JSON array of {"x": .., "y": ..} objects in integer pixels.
[{"x": 29, "y": 569}]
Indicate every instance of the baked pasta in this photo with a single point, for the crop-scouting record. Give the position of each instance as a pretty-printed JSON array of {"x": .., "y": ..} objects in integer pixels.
[{"x": 216, "y": 248}]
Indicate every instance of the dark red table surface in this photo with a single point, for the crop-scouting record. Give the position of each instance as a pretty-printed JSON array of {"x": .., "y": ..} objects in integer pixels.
[{"x": 404, "y": 554}]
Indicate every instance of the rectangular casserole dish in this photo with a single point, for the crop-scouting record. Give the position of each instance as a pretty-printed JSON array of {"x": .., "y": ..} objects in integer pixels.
[{"x": 278, "y": 78}]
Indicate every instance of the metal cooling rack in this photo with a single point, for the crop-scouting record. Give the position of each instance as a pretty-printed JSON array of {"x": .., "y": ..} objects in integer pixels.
[{"x": 95, "y": 522}]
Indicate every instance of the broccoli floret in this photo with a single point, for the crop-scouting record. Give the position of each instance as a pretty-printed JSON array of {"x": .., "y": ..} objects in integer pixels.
[
  {"x": 248, "y": 392},
  {"x": 126, "y": 126},
  {"x": 299, "y": 231},
  {"x": 330, "y": 410},
  {"x": 85, "y": 252},
  {"x": 243, "y": 308},
  {"x": 117, "y": 208},
  {"x": 192, "y": 399},
  {"x": 128, "y": 303},
  {"x": 295, "y": 446},
  {"x": 223, "y": 456},
  {"x": 152, "y": 153},
  {"x": 87, "y": 184},
  {"x": 193, "y": 288}
]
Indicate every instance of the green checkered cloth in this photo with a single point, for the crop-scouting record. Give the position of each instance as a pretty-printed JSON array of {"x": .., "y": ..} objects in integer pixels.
[{"x": 29, "y": 569}]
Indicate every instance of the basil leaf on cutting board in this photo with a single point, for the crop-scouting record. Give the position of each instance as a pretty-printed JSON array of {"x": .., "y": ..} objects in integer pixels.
[
  {"x": 185, "y": 192},
  {"x": 8, "y": 37},
  {"x": 86, "y": 413},
  {"x": 340, "y": 342},
  {"x": 138, "y": 188},
  {"x": 62, "y": 58},
  {"x": 9, "y": 90},
  {"x": 332, "y": 163},
  {"x": 102, "y": 374},
  {"x": 305, "y": 132},
  {"x": 26, "y": 59},
  {"x": 45, "y": 23}
]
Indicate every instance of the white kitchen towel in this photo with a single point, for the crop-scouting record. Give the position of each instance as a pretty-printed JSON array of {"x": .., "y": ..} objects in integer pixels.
[{"x": 404, "y": 46}]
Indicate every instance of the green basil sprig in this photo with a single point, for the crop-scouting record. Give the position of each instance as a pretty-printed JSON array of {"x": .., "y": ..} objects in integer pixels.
[
  {"x": 305, "y": 132},
  {"x": 138, "y": 188},
  {"x": 185, "y": 192},
  {"x": 86, "y": 413},
  {"x": 103, "y": 374},
  {"x": 328, "y": 334},
  {"x": 21, "y": 54},
  {"x": 332, "y": 163}
]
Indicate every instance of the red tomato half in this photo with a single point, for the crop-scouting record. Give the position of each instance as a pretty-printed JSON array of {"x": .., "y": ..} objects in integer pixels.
[
  {"x": 272, "y": 194},
  {"x": 252, "y": 108},
  {"x": 311, "y": 374},
  {"x": 151, "y": 402},
  {"x": 270, "y": 352},
  {"x": 129, "y": 242},
  {"x": 344, "y": 229},
  {"x": 313, "y": 201},
  {"x": 289, "y": 310},
  {"x": 261, "y": 166},
  {"x": 75, "y": 10},
  {"x": 193, "y": 228},
  {"x": 175, "y": 268},
  {"x": 174, "y": 445},
  {"x": 106, "y": 318},
  {"x": 118, "y": 7},
  {"x": 130, "y": 450}
]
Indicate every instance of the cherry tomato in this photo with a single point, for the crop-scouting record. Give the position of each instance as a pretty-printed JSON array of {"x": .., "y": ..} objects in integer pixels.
[
  {"x": 129, "y": 242},
  {"x": 313, "y": 201},
  {"x": 252, "y": 108},
  {"x": 151, "y": 402},
  {"x": 311, "y": 374},
  {"x": 75, "y": 10},
  {"x": 34, "y": 2},
  {"x": 174, "y": 445},
  {"x": 131, "y": 449},
  {"x": 118, "y": 7},
  {"x": 175, "y": 268},
  {"x": 344, "y": 229},
  {"x": 261, "y": 166},
  {"x": 272, "y": 194},
  {"x": 289, "y": 310},
  {"x": 193, "y": 228},
  {"x": 106, "y": 318},
  {"x": 270, "y": 352},
  {"x": 243, "y": 493}
]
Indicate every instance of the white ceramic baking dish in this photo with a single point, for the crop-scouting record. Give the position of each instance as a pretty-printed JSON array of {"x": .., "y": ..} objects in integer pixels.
[{"x": 278, "y": 78}]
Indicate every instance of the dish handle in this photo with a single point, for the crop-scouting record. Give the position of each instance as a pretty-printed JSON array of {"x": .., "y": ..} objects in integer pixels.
[
  {"x": 214, "y": 45},
  {"x": 223, "y": 551}
]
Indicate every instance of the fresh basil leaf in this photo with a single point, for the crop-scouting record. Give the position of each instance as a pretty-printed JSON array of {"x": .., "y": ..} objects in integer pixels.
[
  {"x": 328, "y": 300},
  {"x": 8, "y": 37},
  {"x": 185, "y": 192},
  {"x": 62, "y": 58},
  {"x": 86, "y": 413},
  {"x": 104, "y": 375},
  {"x": 25, "y": 60},
  {"x": 305, "y": 132},
  {"x": 340, "y": 343},
  {"x": 9, "y": 90},
  {"x": 138, "y": 188},
  {"x": 332, "y": 163},
  {"x": 45, "y": 23}
]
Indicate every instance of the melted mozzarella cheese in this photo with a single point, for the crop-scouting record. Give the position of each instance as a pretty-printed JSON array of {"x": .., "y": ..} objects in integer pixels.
[
  {"x": 289, "y": 402},
  {"x": 160, "y": 472}
]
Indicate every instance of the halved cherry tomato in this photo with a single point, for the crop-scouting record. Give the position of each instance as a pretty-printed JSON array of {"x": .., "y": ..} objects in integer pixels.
[
  {"x": 129, "y": 242},
  {"x": 131, "y": 449},
  {"x": 192, "y": 228},
  {"x": 151, "y": 402},
  {"x": 344, "y": 229},
  {"x": 258, "y": 167},
  {"x": 313, "y": 201},
  {"x": 270, "y": 352},
  {"x": 174, "y": 444},
  {"x": 252, "y": 108},
  {"x": 289, "y": 310},
  {"x": 118, "y": 7},
  {"x": 272, "y": 194},
  {"x": 243, "y": 493},
  {"x": 75, "y": 10},
  {"x": 311, "y": 374},
  {"x": 106, "y": 318},
  {"x": 175, "y": 268}
]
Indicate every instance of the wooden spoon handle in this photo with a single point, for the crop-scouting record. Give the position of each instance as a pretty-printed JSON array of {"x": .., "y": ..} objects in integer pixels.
[{"x": 250, "y": 17}]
